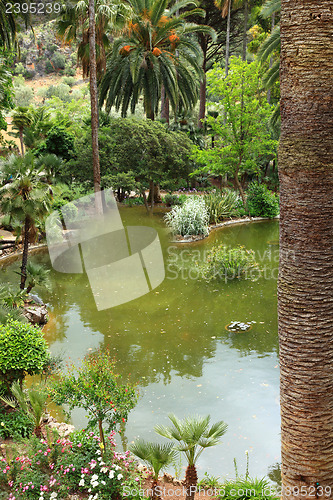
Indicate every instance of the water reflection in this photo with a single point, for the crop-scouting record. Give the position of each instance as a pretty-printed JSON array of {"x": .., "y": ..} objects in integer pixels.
[{"x": 174, "y": 343}]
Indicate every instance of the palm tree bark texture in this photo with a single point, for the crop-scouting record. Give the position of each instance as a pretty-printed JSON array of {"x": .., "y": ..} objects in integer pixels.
[{"x": 306, "y": 249}]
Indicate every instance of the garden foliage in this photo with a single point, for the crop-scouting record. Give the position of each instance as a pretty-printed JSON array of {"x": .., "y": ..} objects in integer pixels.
[
  {"x": 23, "y": 351},
  {"x": 191, "y": 218},
  {"x": 261, "y": 202},
  {"x": 223, "y": 263},
  {"x": 221, "y": 204}
]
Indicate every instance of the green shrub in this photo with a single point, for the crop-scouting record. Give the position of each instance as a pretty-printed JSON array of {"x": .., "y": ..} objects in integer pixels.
[
  {"x": 191, "y": 218},
  {"x": 247, "y": 489},
  {"x": 61, "y": 91},
  {"x": 261, "y": 202},
  {"x": 23, "y": 350},
  {"x": 59, "y": 60},
  {"x": 23, "y": 95},
  {"x": 174, "y": 199},
  {"x": 226, "y": 263},
  {"x": 69, "y": 80},
  {"x": 15, "y": 424},
  {"x": 69, "y": 71},
  {"x": 49, "y": 68},
  {"x": 19, "y": 69},
  {"x": 221, "y": 205}
]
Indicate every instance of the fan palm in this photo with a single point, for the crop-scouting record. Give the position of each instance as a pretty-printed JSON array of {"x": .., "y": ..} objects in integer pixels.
[
  {"x": 157, "y": 50},
  {"x": 21, "y": 119},
  {"x": 74, "y": 26},
  {"x": 193, "y": 435},
  {"x": 32, "y": 401},
  {"x": 25, "y": 199},
  {"x": 156, "y": 456},
  {"x": 37, "y": 275},
  {"x": 269, "y": 46}
]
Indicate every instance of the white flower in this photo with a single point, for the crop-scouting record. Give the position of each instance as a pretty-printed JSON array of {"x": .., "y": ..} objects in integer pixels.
[
  {"x": 119, "y": 477},
  {"x": 53, "y": 495},
  {"x": 94, "y": 484},
  {"x": 81, "y": 483},
  {"x": 104, "y": 469},
  {"x": 103, "y": 483},
  {"x": 98, "y": 452},
  {"x": 94, "y": 477},
  {"x": 111, "y": 474},
  {"x": 99, "y": 459},
  {"x": 117, "y": 467}
]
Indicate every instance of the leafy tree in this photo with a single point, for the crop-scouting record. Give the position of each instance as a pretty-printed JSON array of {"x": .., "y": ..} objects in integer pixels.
[
  {"x": 97, "y": 388},
  {"x": 23, "y": 351},
  {"x": 58, "y": 142},
  {"x": 156, "y": 456},
  {"x": 241, "y": 130},
  {"x": 144, "y": 148},
  {"x": 193, "y": 435},
  {"x": 25, "y": 199},
  {"x": 157, "y": 50},
  {"x": 37, "y": 275}
]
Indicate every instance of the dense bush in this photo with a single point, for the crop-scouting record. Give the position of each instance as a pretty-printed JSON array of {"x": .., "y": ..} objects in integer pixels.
[
  {"x": 59, "y": 60},
  {"x": 221, "y": 205},
  {"x": 61, "y": 91},
  {"x": 23, "y": 95},
  {"x": 261, "y": 202},
  {"x": 174, "y": 199},
  {"x": 15, "y": 424},
  {"x": 191, "y": 218},
  {"x": 227, "y": 263},
  {"x": 23, "y": 350},
  {"x": 59, "y": 142}
]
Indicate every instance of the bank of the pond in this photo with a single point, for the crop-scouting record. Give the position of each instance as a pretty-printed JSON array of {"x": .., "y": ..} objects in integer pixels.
[{"x": 231, "y": 222}]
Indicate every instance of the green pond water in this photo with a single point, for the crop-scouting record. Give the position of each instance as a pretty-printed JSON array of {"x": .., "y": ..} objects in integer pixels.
[{"x": 173, "y": 341}]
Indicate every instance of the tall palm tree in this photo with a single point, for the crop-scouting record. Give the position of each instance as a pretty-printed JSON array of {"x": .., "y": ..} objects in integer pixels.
[
  {"x": 305, "y": 302},
  {"x": 74, "y": 26},
  {"x": 271, "y": 45},
  {"x": 7, "y": 26},
  {"x": 25, "y": 198},
  {"x": 193, "y": 435},
  {"x": 226, "y": 6},
  {"x": 21, "y": 119},
  {"x": 156, "y": 456},
  {"x": 157, "y": 50}
]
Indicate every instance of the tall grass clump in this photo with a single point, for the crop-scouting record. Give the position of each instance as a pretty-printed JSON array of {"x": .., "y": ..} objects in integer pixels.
[
  {"x": 191, "y": 218},
  {"x": 221, "y": 204}
]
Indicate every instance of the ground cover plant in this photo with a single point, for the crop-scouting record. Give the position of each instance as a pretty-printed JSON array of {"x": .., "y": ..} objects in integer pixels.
[{"x": 223, "y": 263}]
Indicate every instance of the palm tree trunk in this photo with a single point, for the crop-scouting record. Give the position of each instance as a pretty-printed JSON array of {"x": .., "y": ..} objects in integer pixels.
[
  {"x": 246, "y": 17},
  {"x": 202, "y": 107},
  {"x": 191, "y": 480},
  {"x": 25, "y": 253},
  {"x": 165, "y": 106},
  {"x": 94, "y": 104},
  {"x": 271, "y": 59},
  {"x": 21, "y": 140},
  {"x": 227, "y": 43},
  {"x": 306, "y": 252}
]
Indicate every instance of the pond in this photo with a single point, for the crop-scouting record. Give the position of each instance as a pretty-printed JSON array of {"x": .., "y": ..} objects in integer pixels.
[{"x": 174, "y": 343}]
